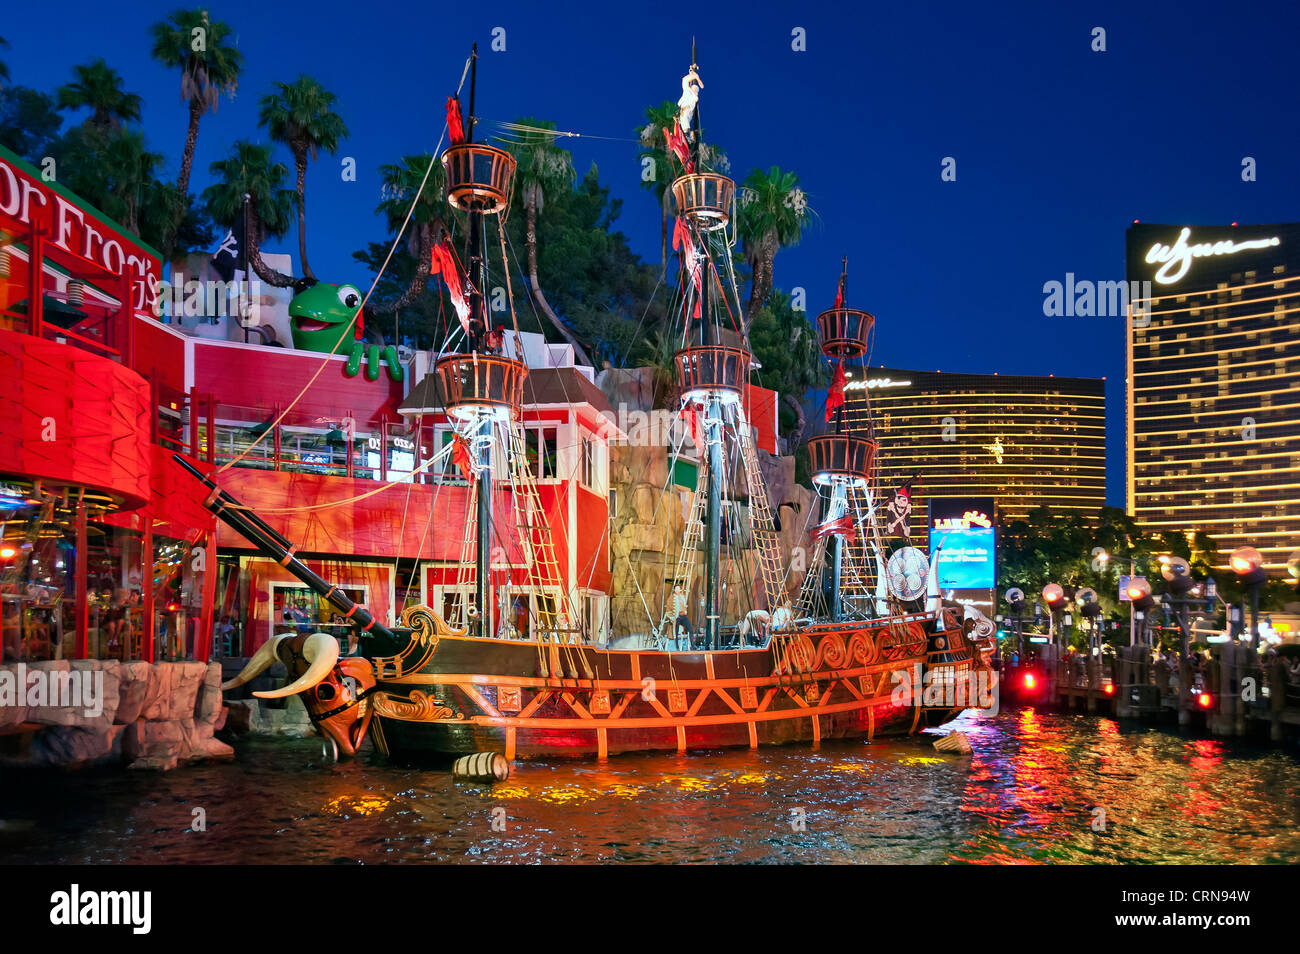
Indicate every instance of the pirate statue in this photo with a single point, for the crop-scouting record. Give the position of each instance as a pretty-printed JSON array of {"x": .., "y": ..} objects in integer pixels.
[
  {"x": 900, "y": 510},
  {"x": 691, "y": 86}
]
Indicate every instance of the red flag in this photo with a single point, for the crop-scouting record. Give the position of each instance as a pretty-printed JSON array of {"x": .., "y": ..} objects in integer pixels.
[
  {"x": 460, "y": 456},
  {"x": 677, "y": 146},
  {"x": 692, "y": 414},
  {"x": 835, "y": 396},
  {"x": 455, "y": 128},
  {"x": 682, "y": 240},
  {"x": 843, "y": 527},
  {"x": 839, "y": 293},
  {"x": 458, "y": 286}
]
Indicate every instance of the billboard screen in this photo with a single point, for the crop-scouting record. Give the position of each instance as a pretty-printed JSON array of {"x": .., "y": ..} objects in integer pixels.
[{"x": 962, "y": 542}]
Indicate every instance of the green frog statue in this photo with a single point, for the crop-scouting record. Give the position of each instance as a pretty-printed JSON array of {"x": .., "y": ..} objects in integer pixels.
[{"x": 323, "y": 312}]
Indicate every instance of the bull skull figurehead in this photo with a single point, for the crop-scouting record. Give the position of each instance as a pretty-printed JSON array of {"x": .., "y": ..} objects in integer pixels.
[{"x": 333, "y": 690}]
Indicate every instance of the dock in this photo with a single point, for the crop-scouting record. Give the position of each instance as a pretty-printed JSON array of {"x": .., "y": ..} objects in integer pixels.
[{"x": 1234, "y": 693}]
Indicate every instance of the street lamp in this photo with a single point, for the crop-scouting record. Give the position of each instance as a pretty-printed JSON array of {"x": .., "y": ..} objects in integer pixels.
[
  {"x": 1016, "y": 600},
  {"x": 1053, "y": 596},
  {"x": 1090, "y": 608},
  {"x": 1140, "y": 598},
  {"x": 1247, "y": 563},
  {"x": 1177, "y": 574}
]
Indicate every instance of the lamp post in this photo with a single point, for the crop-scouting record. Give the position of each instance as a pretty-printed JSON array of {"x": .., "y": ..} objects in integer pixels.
[
  {"x": 1247, "y": 563},
  {"x": 1016, "y": 600},
  {"x": 1140, "y": 601},
  {"x": 1090, "y": 608},
  {"x": 1177, "y": 575},
  {"x": 1053, "y": 596}
]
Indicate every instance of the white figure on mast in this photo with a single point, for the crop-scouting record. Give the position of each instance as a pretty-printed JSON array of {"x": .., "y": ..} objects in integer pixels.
[{"x": 691, "y": 86}]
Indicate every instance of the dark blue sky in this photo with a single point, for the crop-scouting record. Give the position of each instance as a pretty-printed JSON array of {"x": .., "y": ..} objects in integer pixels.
[{"x": 1058, "y": 148}]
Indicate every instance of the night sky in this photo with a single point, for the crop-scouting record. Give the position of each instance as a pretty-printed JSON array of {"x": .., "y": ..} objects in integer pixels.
[{"x": 1058, "y": 148}]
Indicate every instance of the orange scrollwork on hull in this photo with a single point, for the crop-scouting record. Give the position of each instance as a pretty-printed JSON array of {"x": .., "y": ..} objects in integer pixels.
[
  {"x": 862, "y": 649},
  {"x": 902, "y": 641},
  {"x": 830, "y": 652},
  {"x": 418, "y": 707},
  {"x": 426, "y": 628}
]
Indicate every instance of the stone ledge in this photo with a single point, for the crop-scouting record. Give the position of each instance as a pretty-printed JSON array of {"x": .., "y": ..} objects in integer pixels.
[{"x": 149, "y": 715}]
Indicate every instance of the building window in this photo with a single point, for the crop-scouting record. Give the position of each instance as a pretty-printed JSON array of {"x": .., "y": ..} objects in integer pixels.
[
  {"x": 540, "y": 445},
  {"x": 588, "y": 463}
]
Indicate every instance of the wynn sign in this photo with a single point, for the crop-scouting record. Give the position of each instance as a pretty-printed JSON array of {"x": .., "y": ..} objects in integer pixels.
[{"x": 1176, "y": 259}]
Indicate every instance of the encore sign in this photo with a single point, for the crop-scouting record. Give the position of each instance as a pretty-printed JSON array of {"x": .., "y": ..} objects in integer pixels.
[
  {"x": 28, "y": 201},
  {"x": 1176, "y": 259}
]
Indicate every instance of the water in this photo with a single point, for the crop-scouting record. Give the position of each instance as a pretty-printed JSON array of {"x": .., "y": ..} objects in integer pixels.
[{"x": 1029, "y": 794}]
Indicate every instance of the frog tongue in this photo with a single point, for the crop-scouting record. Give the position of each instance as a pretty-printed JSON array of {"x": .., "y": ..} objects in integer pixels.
[{"x": 311, "y": 324}]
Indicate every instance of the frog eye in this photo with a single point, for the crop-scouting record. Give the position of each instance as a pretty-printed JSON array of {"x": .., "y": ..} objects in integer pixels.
[{"x": 349, "y": 296}]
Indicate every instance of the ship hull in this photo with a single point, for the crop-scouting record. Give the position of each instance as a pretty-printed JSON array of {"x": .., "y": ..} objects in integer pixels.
[{"x": 462, "y": 695}]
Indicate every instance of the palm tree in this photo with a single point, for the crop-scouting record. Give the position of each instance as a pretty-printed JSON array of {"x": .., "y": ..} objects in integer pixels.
[
  {"x": 301, "y": 116},
  {"x": 660, "y": 118},
  {"x": 543, "y": 168},
  {"x": 773, "y": 214},
  {"x": 206, "y": 72},
  {"x": 250, "y": 171},
  {"x": 128, "y": 169},
  {"x": 98, "y": 88},
  {"x": 427, "y": 228}
]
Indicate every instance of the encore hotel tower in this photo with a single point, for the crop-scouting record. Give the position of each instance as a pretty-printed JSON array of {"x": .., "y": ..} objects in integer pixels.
[
  {"x": 1027, "y": 441},
  {"x": 1213, "y": 361}
]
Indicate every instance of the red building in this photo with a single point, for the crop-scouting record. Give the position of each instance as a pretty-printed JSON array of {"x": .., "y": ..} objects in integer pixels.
[{"x": 106, "y": 549}]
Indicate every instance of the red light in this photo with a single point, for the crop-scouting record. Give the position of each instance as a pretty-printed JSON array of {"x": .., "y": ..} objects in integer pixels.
[
  {"x": 1029, "y": 680},
  {"x": 7, "y": 553},
  {"x": 1109, "y": 689},
  {"x": 1204, "y": 700},
  {"x": 172, "y": 607}
]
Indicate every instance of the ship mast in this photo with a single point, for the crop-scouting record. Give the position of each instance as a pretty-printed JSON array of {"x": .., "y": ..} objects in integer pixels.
[
  {"x": 479, "y": 387},
  {"x": 842, "y": 463},
  {"x": 478, "y": 321},
  {"x": 709, "y": 336}
]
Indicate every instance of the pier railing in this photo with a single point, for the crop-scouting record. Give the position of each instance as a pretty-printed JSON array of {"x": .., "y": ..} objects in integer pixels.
[{"x": 1231, "y": 689}]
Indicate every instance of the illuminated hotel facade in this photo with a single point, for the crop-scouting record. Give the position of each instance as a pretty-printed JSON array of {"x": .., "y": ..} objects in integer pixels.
[
  {"x": 1025, "y": 441},
  {"x": 1213, "y": 357}
]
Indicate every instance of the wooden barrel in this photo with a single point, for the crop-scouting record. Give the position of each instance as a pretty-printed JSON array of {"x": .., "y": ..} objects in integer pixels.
[{"x": 482, "y": 767}]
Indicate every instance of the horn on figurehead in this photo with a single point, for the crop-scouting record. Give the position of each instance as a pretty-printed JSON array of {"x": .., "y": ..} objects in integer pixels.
[
  {"x": 262, "y": 660},
  {"x": 321, "y": 651}
]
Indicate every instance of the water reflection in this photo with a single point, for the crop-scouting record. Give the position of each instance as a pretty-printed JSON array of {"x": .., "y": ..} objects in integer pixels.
[{"x": 1040, "y": 788}]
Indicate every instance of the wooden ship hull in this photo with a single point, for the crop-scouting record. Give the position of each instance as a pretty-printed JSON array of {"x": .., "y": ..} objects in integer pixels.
[{"x": 456, "y": 695}]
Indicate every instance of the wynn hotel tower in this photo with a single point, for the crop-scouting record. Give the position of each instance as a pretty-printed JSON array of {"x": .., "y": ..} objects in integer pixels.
[{"x": 1213, "y": 407}]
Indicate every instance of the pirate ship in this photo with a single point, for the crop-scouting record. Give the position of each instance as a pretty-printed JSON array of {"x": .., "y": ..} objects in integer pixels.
[{"x": 844, "y": 657}]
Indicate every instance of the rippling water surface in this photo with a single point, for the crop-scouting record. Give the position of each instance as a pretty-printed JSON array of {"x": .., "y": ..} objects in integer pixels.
[{"x": 1030, "y": 793}]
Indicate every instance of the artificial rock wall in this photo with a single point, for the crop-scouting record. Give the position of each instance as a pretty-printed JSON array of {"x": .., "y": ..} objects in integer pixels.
[
  {"x": 154, "y": 716},
  {"x": 646, "y": 534}
]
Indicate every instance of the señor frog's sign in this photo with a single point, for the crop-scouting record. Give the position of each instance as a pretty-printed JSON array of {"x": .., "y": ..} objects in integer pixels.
[{"x": 27, "y": 200}]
